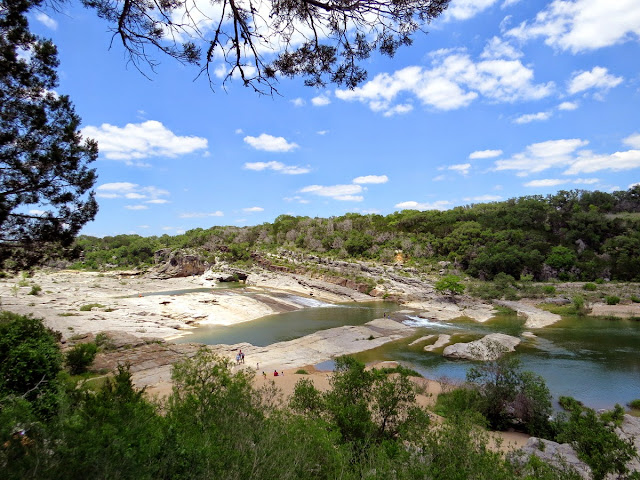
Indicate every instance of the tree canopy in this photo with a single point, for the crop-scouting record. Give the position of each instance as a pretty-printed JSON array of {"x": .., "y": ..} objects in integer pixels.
[
  {"x": 320, "y": 40},
  {"x": 45, "y": 180}
]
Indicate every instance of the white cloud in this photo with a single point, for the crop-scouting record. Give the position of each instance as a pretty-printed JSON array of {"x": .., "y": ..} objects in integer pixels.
[
  {"x": 277, "y": 167},
  {"x": 483, "y": 198},
  {"x": 201, "y": 214},
  {"x": 633, "y": 140},
  {"x": 35, "y": 211},
  {"x": 548, "y": 182},
  {"x": 320, "y": 101},
  {"x": 322, "y": 132},
  {"x": 453, "y": 81},
  {"x": 439, "y": 178},
  {"x": 499, "y": 48},
  {"x": 298, "y": 102},
  {"x": 466, "y": 9},
  {"x": 532, "y": 117},
  {"x": 541, "y": 156},
  {"x": 221, "y": 71},
  {"x": 412, "y": 205},
  {"x": 398, "y": 110},
  {"x": 461, "y": 168},
  {"x": 371, "y": 179},
  {"x": 239, "y": 131},
  {"x": 566, "y": 154},
  {"x": 47, "y": 21},
  {"x": 253, "y": 209},
  {"x": 597, "y": 78},
  {"x": 157, "y": 201},
  {"x": 131, "y": 191},
  {"x": 269, "y": 143},
  {"x": 485, "y": 154},
  {"x": 633, "y": 185},
  {"x": 586, "y": 181},
  {"x": 337, "y": 192},
  {"x": 136, "y": 207},
  {"x": 143, "y": 226},
  {"x": 581, "y": 25},
  {"x": 136, "y": 141},
  {"x": 568, "y": 106},
  {"x": 589, "y": 162},
  {"x": 296, "y": 198}
]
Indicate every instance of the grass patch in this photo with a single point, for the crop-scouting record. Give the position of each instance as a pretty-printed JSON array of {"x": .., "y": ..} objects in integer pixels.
[
  {"x": 557, "y": 309},
  {"x": 89, "y": 306},
  {"x": 504, "y": 310},
  {"x": 68, "y": 314},
  {"x": 399, "y": 369},
  {"x": 302, "y": 371}
]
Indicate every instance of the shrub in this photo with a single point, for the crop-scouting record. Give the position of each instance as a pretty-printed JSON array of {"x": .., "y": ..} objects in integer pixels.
[
  {"x": 449, "y": 284},
  {"x": 599, "y": 281},
  {"x": 635, "y": 299},
  {"x": 35, "y": 290},
  {"x": 591, "y": 287},
  {"x": 302, "y": 371},
  {"x": 612, "y": 299},
  {"x": 80, "y": 357},
  {"x": 549, "y": 289},
  {"x": 635, "y": 404},
  {"x": 89, "y": 306}
]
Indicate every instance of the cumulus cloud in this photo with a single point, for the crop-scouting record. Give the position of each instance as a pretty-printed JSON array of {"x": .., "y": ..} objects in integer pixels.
[
  {"x": 217, "y": 213},
  {"x": 298, "y": 102},
  {"x": 137, "y": 141},
  {"x": 277, "y": 167},
  {"x": 568, "y": 106},
  {"x": 633, "y": 140},
  {"x": 500, "y": 48},
  {"x": 483, "y": 198},
  {"x": 371, "y": 179},
  {"x": 598, "y": 78},
  {"x": 566, "y": 154},
  {"x": 532, "y": 117},
  {"x": 547, "y": 182},
  {"x": 136, "y": 207},
  {"x": 253, "y": 209},
  {"x": 582, "y": 25},
  {"x": 337, "y": 192},
  {"x": 320, "y": 101},
  {"x": 466, "y": 9},
  {"x": 269, "y": 143},
  {"x": 479, "y": 154},
  {"x": 296, "y": 198},
  {"x": 132, "y": 191},
  {"x": 413, "y": 205},
  {"x": 47, "y": 21},
  {"x": 453, "y": 81},
  {"x": 461, "y": 168}
]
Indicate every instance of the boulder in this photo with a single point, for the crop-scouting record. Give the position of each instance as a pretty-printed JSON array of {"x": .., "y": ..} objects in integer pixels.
[
  {"x": 177, "y": 264},
  {"x": 490, "y": 347},
  {"x": 557, "y": 454}
]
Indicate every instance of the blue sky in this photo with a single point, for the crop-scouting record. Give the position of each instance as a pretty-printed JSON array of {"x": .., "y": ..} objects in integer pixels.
[{"x": 502, "y": 98}]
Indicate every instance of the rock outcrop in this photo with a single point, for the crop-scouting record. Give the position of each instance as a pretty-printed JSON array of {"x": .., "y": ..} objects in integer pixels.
[
  {"x": 490, "y": 347},
  {"x": 561, "y": 455},
  {"x": 171, "y": 264},
  {"x": 536, "y": 318}
]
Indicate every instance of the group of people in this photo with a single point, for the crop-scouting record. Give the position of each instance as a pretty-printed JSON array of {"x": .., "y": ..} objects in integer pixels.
[
  {"x": 239, "y": 358},
  {"x": 275, "y": 374}
]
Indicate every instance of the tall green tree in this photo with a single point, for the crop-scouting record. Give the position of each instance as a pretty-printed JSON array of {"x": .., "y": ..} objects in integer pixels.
[{"x": 45, "y": 180}]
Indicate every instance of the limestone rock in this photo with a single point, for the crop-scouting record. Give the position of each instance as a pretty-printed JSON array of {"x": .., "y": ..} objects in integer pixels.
[
  {"x": 490, "y": 347},
  {"x": 442, "y": 340},
  {"x": 557, "y": 454},
  {"x": 536, "y": 318},
  {"x": 177, "y": 264}
]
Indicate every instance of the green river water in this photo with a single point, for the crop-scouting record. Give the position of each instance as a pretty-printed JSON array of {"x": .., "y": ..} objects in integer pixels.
[{"x": 596, "y": 361}]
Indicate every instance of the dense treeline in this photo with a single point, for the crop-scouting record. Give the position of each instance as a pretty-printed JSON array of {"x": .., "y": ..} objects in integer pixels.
[
  {"x": 216, "y": 424},
  {"x": 581, "y": 235}
]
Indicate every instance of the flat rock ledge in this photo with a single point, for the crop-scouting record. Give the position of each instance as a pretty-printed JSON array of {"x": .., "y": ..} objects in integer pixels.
[
  {"x": 535, "y": 318},
  {"x": 490, "y": 347}
]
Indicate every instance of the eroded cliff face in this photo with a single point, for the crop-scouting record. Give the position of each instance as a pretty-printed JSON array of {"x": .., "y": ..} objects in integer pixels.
[{"x": 178, "y": 263}]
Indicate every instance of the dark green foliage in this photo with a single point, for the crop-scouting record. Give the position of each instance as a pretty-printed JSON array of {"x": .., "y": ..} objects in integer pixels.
[
  {"x": 635, "y": 299},
  {"x": 30, "y": 360},
  {"x": 635, "y": 404},
  {"x": 35, "y": 290},
  {"x": 612, "y": 299},
  {"x": 595, "y": 440},
  {"x": 80, "y": 357},
  {"x": 43, "y": 160},
  {"x": 510, "y": 397},
  {"x": 591, "y": 287},
  {"x": 450, "y": 284}
]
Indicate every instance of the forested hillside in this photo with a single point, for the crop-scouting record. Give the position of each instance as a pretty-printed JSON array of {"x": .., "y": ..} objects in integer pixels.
[{"x": 572, "y": 235}]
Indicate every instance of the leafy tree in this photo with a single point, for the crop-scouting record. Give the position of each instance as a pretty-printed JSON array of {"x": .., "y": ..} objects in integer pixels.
[
  {"x": 449, "y": 284},
  {"x": 80, "y": 357},
  {"x": 30, "y": 360},
  {"x": 510, "y": 397},
  {"x": 323, "y": 41},
  {"x": 44, "y": 177}
]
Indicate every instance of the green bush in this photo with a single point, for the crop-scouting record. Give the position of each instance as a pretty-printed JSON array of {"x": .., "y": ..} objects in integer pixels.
[
  {"x": 612, "y": 299},
  {"x": 302, "y": 371},
  {"x": 35, "y": 290},
  {"x": 635, "y": 404},
  {"x": 80, "y": 357},
  {"x": 89, "y": 306},
  {"x": 449, "y": 284},
  {"x": 635, "y": 299},
  {"x": 549, "y": 289},
  {"x": 591, "y": 287}
]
